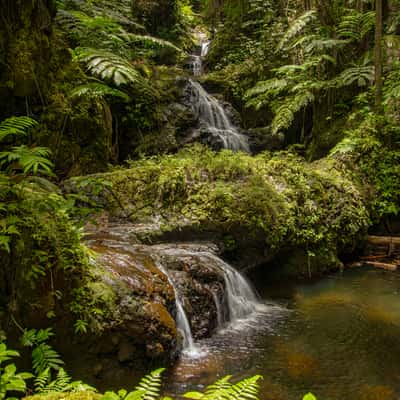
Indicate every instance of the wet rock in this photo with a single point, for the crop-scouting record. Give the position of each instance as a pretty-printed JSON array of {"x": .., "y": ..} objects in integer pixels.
[
  {"x": 263, "y": 139},
  {"x": 155, "y": 350},
  {"x": 126, "y": 352}
]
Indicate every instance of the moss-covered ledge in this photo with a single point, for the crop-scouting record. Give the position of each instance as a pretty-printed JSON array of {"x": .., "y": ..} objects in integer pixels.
[{"x": 257, "y": 207}]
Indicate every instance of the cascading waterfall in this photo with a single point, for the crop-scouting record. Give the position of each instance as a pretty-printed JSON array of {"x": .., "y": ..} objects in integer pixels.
[
  {"x": 182, "y": 321},
  {"x": 211, "y": 114},
  {"x": 213, "y": 117},
  {"x": 242, "y": 300}
]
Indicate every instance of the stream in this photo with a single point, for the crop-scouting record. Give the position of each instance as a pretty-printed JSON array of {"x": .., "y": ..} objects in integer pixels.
[{"x": 337, "y": 337}]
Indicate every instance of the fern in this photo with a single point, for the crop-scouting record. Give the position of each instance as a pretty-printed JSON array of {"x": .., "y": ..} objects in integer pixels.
[
  {"x": 147, "y": 389},
  {"x": 297, "y": 27},
  {"x": 362, "y": 75},
  {"x": 150, "y": 385},
  {"x": 28, "y": 159},
  {"x": 246, "y": 389},
  {"x": 356, "y": 25},
  {"x": 16, "y": 126},
  {"x": 113, "y": 68},
  {"x": 43, "y": 357},
  {"x": 285, "y": 113},
  {"x": 271, "y": 87},
  {"x": 98, "y": 90},
  {"x": 146, "y": 40},
  {"x": 62, "y": 383}
]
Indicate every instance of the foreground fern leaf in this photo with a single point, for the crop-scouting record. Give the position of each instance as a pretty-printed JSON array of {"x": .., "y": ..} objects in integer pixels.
[
  {"x": 150, "y": 385},
  {"x": 16, "y": 126}
]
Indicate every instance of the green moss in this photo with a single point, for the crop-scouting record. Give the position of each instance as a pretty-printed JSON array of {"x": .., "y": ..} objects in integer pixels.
[
  {"x": 279, "y": 200},
  {"x": 66, "y": 396}
]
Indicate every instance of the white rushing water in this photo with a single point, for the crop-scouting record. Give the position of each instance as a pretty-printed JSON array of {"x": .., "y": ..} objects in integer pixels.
[
  {"x": 210, "y": 112},
  {"x": 214, "y": 118},
  {"x": 182, "y": 322},
  {"x": 242, "y": 299}
]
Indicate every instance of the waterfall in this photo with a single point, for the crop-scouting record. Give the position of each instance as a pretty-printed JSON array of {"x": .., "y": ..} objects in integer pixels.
[
  {"x": 182, "y": 321},
  {"x": 213, "y": 117},
  {"x": 242, "y": 299}
]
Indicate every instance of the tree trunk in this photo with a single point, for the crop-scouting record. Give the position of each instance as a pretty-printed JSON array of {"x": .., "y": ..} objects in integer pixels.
[{"x": 378, "y": 55}]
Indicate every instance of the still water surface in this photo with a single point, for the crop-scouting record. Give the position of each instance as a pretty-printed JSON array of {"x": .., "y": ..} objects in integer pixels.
[{"x": 338, "y": 337}]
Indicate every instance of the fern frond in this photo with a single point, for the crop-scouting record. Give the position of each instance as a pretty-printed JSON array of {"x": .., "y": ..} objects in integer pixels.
[
  {"x": 146, "y": 40},
  {"x": 271, "y": 87},
  {"x": 362, "y": 75},
  {"x": 110, "y": 67},
  {"x": 246, "y": 389},
  {"x": 296, "y": 27},
  {"x": 29, "y": 159},
  {"x": 42, "y": 380},
  {"x": 356, "y": 25},
  {"x": 43, "y": 357},
  {"x": 285, "y": 113},
  {"x": 222, "y": 383},
  {"x": 150, "y": 385},
  {"x": 16, "y": 126},
  {"x": 98, "y": 90}
]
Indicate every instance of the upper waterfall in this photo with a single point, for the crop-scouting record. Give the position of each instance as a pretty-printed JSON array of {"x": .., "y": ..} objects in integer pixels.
[
  {"x": 214, "y": 118},
  {"x": 211, "y": 114}
]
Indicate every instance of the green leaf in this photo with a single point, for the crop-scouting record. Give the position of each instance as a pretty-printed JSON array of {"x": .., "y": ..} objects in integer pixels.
[
  {"x": 309, "y": 396},
  {"x": 194, "y": 395}
]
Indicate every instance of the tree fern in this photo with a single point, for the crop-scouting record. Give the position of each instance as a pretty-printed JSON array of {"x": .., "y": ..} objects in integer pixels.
[
  {"x": 113, "y": 68},
  {"x": 16, "y": 126},
  {"x": 146, "y": 40},
  {"x": 273, "y": 86}
]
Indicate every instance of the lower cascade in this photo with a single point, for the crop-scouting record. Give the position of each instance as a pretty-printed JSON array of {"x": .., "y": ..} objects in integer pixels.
[
  {"x": 182, "y": 321},
  {"x": 209, "y": 294}
]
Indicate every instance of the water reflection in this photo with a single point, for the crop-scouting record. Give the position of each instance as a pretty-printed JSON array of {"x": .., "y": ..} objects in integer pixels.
[{"x": 341, "y": 340}]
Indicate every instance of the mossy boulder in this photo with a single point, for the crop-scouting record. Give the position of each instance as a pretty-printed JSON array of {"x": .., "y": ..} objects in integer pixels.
[{"x": 264, "y": 203}]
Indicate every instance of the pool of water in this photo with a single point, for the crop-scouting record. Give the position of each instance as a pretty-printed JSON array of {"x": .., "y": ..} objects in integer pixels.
[{"x": 338, "y": 337}]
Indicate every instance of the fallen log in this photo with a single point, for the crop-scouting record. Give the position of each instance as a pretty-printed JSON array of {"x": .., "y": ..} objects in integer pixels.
[
  {"x": 374, "y": 264},
  {"x": 384, "y": 240}
]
